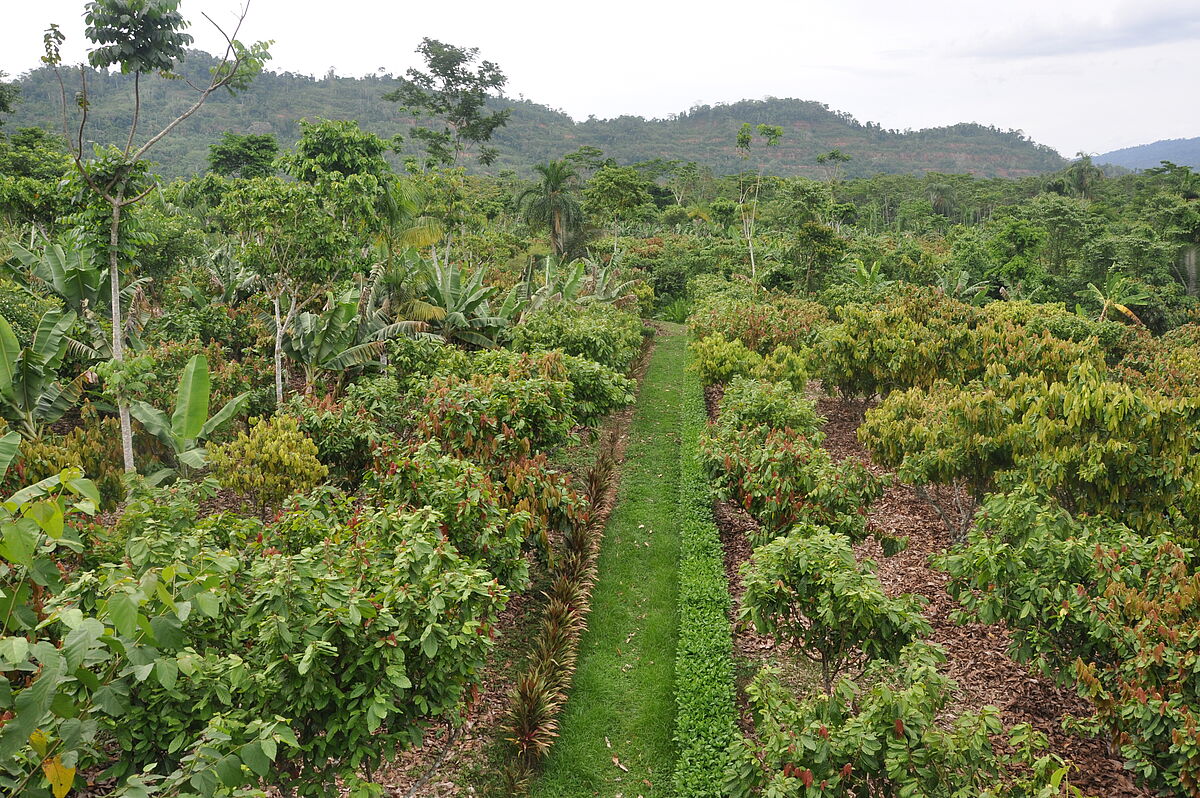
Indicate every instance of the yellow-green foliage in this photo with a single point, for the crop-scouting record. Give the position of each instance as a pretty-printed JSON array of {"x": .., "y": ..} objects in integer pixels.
[
  {"x": 268, "y": 464},
  {"x": 718, "y": 360},
  {"x": 94, "y": 447}
]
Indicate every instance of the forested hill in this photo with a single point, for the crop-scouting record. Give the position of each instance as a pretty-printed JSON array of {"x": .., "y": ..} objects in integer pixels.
[
  {"x": 536, "y": 133},
  {"x": 1183, "y": 152}
]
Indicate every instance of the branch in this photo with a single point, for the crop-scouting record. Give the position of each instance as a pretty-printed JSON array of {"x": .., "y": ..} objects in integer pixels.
[
  {"x": 216, "y": 83},
  {"x": 137, "y": 108}
]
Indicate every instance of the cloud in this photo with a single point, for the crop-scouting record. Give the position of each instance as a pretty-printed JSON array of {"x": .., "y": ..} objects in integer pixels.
[{"x": 1132, "y": 25}]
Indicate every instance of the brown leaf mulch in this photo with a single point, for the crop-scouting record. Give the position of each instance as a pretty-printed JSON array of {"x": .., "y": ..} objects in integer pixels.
[{"x": 977, "y": 654}]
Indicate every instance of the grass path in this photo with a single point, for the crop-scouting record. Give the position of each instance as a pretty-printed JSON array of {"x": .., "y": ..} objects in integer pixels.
[{"x": 622, "y": 702}]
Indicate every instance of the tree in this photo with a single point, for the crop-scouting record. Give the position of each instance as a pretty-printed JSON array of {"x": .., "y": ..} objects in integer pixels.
[
  {"x": 553, "y": 204},
  {"x": 455, "y": 92},
  {"x": 244, "y": 156},
  {"x": 9, "y": 94},
  {"x": 807, "y": 588},
  {"x": 615, "y": 194},
  {"x": 330, "y": 149},
  {"x": 290, "y": 240},
  {"x": 832, "y": 163},
  {"x": 748, "y": 192},
  {"x": 139, "y": 37}
]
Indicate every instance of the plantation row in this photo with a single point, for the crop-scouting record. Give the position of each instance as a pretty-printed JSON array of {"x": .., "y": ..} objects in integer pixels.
[
  {"x": 345, "y": 600},
  {"x": 1061, "y": 455}
]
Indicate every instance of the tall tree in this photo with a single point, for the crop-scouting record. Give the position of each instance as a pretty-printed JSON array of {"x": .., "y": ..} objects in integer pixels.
[
  {"x": 553, "y": 203},
  {"x": 454, "y": 91},
  {"x": 749, "y": 191},
  {"x": 138, "y": 36},
  {"x": 245, "y": 156},
  {"x": 9, "y": 94}
]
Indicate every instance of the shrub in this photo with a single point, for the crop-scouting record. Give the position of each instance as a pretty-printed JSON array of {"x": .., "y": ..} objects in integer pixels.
[
  {"x": 783, "y": 478},
  {"x": 886, "y": 734},
  {"x": 344, "y": 435},
  {"x": 1095, "y": 604},
  {"x": 761, "y": 324},
  {"x": 268, "y": 464},
  {"x": 596, "y": 390},
  {"x": 360, "y": 640},
  {"x": 718, "y": 360},
  {"x": 749, "y": 403},
  {"x": 94, "y": 447},
  {"x": 21, "y": 309},
  {"x": 477, "y": 518},
  {"x": 807, "y": 588},
  {"x": 491, "y": 419},
  {"x": 598, "y": 331}
]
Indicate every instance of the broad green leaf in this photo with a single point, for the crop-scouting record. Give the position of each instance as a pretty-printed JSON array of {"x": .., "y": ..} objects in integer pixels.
[
  {"x": 155, "y": 421},
  {"x": 191, "y": 400},
  {"x": 222, "y": 416},
  {"x": 19, "y": 542},
  {"x": 9, "y": 351},
  {"x": 123, "y": 612},
  {"x": 10, "y": 446}
]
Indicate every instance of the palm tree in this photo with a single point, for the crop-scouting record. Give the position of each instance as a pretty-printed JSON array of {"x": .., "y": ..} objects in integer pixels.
[{"x": 552, "y": 203}]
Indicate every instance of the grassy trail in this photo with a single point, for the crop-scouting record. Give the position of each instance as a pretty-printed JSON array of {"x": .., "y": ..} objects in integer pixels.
[{"x": 622, "y": 702}]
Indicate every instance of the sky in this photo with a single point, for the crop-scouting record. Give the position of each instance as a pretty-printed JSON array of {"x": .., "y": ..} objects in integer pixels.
[{"x": 1079, "y": 75}]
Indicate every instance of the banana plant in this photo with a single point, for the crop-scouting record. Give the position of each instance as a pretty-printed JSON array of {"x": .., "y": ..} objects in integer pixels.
[
  {"x": 607, "y": 287},
  {"x": 325, "y": 341},
  {"x": 467, "y": 317},
  {"x": 71, "y": 274},
  {"x": 1118, "y": 293},
  {"x": 188, "y": 426},
  {"x": 10, "y": 447},
  {"x": 959, "y": 285},
  {"x": 31, "y": 395}
]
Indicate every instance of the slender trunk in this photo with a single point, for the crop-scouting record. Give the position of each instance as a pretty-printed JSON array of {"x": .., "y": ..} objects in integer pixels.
[
  {"x": 118, "y": 328},
  {"x": 1189, "y": 265},
  {"x": 278, "y": 351}
]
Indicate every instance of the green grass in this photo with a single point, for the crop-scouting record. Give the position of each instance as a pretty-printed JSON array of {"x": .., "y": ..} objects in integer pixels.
[{"x": 622, "y": 701}]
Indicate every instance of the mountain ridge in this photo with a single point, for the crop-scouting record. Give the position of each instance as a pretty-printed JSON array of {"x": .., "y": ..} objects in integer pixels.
[
  {"x": 1182, "y": 152},
  {"x": 535, "y": 132}
]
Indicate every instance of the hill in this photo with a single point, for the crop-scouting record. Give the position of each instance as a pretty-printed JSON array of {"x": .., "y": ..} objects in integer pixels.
[
  {"x": 1184, "y": 152},
  {"x": 535, "y": 133}
]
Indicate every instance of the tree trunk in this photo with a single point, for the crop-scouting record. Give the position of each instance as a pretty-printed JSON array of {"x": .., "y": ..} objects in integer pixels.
[
  {"x": 118, "y": 328},
  {"x": 1189, "y": 267},
  {"x": 278, "y": 351}
]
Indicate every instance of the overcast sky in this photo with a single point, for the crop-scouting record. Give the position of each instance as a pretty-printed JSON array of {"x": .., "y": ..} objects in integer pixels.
[{"x": 1079, "y": 75}]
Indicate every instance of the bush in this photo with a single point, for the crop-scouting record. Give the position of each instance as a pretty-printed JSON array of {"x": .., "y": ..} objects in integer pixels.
[
  {"x": 21, "y": 309},
  {"x": 918, "y": 338},
  {"x": 360, "y": 640},
  {"x": 477, "y": 517},
  {"x": 808, "y": 589},
  {"x": 491, "y": 419},
  {"x": 886, "y": 733},
  {"x": 268, "y": 464},
  {"x": 705, "y": 718},
  {"x": 344, "y": 435},
  {"x": 94, "y": 447},
  {"x": 596, "y": 390},
  {"x": 749, "y": 403},
  {"x": 598, "y": 331},
  {"x": 718, "y": 360},
  {"x": 783, "y": 478},
  {"x": 1095, "y": 604},
  {"x": 761, "y": 324}
]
